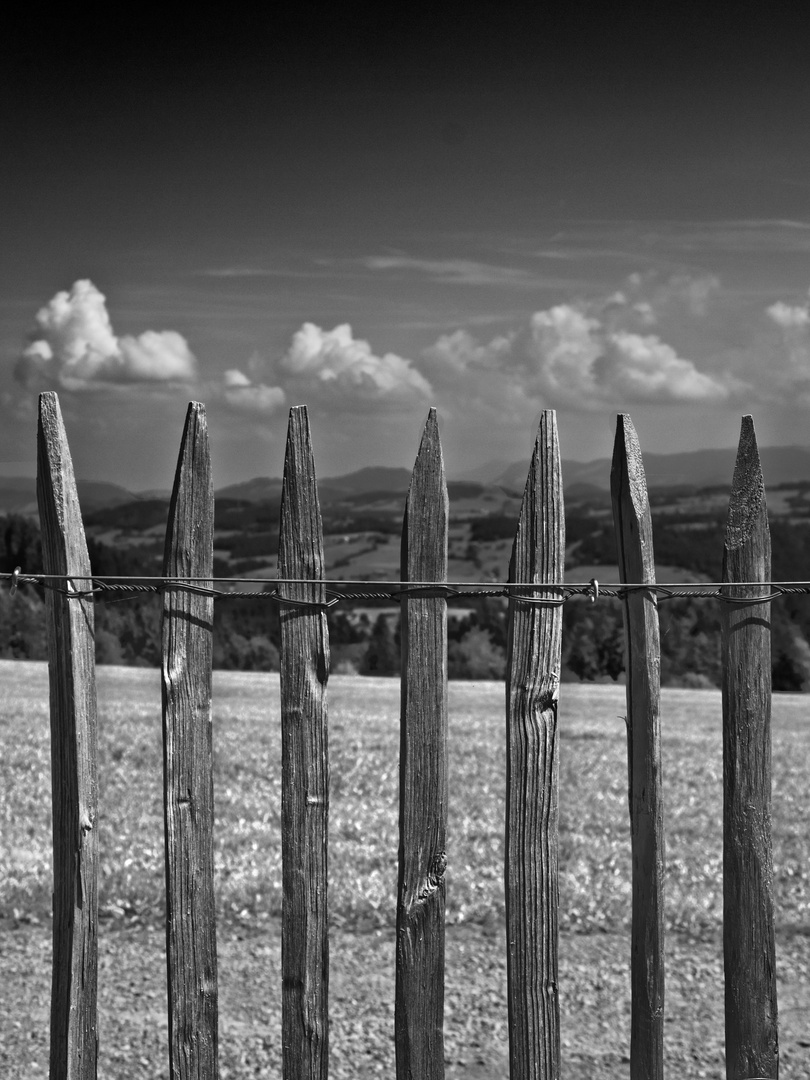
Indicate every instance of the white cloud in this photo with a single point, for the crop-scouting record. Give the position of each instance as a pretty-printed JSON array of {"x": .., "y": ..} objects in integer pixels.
[
  {"x": 243, "y": 395},
  {"x": 456, "y": 354},
  {"x": 566, "y": 348},
  {"x": 788, "y": 316},
  {"x": 649, "y": 297},
  {"x": 575, "y": 356},
  {"x": 581, "y": 364},
  {"x": 235, "y": 380},
  {"x": 455, "y": 271},
  {"x": 639, "y": 368},
  {"x": 75, "y": 346},
  {"x": 156, "y": 356},
  {"x": 332, "y": 363}
]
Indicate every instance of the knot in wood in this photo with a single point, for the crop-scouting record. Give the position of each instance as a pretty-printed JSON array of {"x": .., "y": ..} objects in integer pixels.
[{"x": 436, "y": 873}]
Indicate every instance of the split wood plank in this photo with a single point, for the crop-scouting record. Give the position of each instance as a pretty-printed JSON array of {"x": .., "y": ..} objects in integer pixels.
[
  {"x": 74, "y": 777},
  {"x": 532, "y": 783},
  {"x": 419, "y": 1005},
  {"x": 305, "y": 764},
  {"x": 633, "y": 526},
  {"x": 188, "y": 784},
  {"x": 752, "y": 1047}
]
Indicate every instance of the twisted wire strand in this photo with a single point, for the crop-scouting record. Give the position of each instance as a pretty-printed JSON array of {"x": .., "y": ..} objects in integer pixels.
[{"x": 115, "y": 589}]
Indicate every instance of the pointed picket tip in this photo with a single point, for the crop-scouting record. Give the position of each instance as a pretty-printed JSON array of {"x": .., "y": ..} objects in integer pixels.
[
  {"x": 56, "y": 483},
  {"x": 627, "y": 467},
  {"x": 538, "y": 551},
  {"x": 746, "y": 508},
  {"x": 300, "y": 552},
  {"x": 429, "y": 459},
  {"x": 631, "y": 506},
  {"x": 427, "y": 509},
  {"x": 190, "y": 518},
  {"x": 299, "y": 459},
  {"x": 195, "y": 433}
]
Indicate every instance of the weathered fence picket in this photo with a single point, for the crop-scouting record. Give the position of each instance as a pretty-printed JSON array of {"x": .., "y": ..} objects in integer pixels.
[
  {"x": 304, "y": 764},
  {"x": 188, "y": 780},
  {"x": 71, "y": 663},
  {"x": 536, "y": 593},
  {"x": 419, "y": 1006},
  {"x": 633, "y": 525},
  {"x": 752, "y": 1047},
  {"x": 532, "y": 767}
]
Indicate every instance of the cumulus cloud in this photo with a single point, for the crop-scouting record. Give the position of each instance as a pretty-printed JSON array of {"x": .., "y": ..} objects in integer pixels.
[
  {"x": 645, "y": 299},
  {"x": 788, "y": 316},
  {"x": 576, "y": 356},
  {"x": 244, "y": 395},
  {"x": 580, "y": 363},
  {"x": 75, "y": 346},
  {"x": 456, "y": 354},
  {"x": 639, "y": 368},
  {"x": 783, "y": 370},
  {"x": 333, "y": 363}
]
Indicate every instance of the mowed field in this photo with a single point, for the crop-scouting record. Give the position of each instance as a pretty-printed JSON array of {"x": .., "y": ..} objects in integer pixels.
[{"x": 364, "y": 722}]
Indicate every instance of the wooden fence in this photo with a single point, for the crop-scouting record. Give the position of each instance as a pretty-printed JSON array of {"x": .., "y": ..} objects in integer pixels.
[{"x": 532, "y": 684}]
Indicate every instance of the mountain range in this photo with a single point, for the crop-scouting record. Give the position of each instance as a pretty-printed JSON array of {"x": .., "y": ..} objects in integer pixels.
[{"x": 695, "y": 469}]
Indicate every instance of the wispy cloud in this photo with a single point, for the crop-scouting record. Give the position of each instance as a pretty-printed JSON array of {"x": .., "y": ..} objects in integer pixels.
[
  {"x": 74, "y": 346},
  {"x": 236, "y": 272},
  {"x": 455, "y": 271},
  {"x": 704, "y": 238}
]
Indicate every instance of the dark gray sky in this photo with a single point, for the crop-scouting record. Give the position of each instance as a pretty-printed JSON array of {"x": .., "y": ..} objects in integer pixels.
[{"x": 372, "y": 214}]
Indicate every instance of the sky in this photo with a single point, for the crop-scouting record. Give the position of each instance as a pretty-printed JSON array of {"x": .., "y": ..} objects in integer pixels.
[{"x": 375, "y": 213}]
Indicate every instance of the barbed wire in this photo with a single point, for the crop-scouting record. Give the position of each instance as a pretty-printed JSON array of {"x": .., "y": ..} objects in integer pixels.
[{"x": 116, "y": 588}]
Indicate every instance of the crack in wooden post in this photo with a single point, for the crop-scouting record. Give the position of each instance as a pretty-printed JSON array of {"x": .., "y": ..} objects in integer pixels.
[
  {"x": 752, "y": 1036},
  {"x": 419, "y": 1006},
  {"x": 188, "y": 784},
  {"x": 74, "y": 754},
  {"x": 532, "y": 779},
  {"x": 633, "y": 525},
  {"x": 304, "y": 765}
]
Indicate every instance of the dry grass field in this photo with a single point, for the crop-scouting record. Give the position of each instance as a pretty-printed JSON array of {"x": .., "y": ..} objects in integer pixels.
[{"x": 594, "y": 890}]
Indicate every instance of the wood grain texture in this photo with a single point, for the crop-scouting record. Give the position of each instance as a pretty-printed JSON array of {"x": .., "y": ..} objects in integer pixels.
[
  {"x": 752, "y": 1047},
  {"x": 305, "y": 766},
  {"x": 633, "y": 524},
  {"x": 188, "y": 785},
  {"x": 419, "y": 1006},
  {"x": 71, "y": 666},
  {"x": 532, "y": 777}
]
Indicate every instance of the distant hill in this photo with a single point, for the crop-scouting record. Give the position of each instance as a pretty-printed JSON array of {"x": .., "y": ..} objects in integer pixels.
[
  {"x": 697, "y": 468},
  {"x": 373, "y": 478},
  {"x": 691, "y": 470},
  {"x": 259, "y": 489},
  {"x": 18, "y": 495}
]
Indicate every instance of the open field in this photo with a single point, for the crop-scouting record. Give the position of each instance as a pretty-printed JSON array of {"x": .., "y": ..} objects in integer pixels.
[{"x": 594, "y": 888}]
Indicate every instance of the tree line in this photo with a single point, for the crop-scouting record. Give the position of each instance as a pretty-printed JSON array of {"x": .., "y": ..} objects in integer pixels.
[{"x": 247, "y": 630}]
